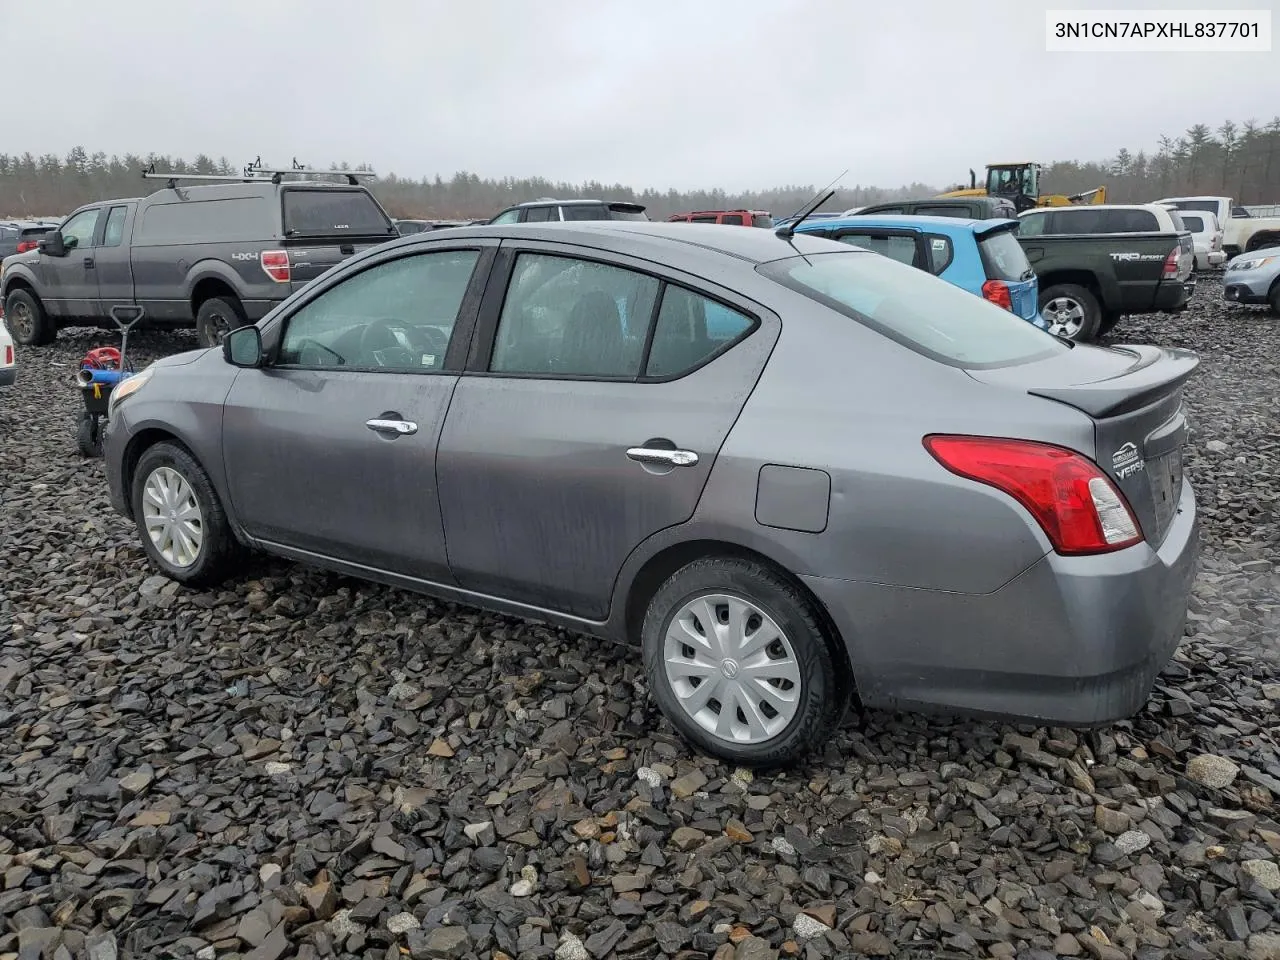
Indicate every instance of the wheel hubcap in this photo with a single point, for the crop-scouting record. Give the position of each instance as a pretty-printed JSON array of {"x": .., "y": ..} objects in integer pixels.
[
  {"x": 732, "y": 669},
  {"x": 171, "y": 514},
  {"x": 20, "y": 321},
  {"x": 1065, "y": 316}
]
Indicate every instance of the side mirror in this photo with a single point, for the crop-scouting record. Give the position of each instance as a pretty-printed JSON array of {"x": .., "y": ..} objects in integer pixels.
[
  {"x": 52, "y": 244},
  {"x": 242, "y": 347}
]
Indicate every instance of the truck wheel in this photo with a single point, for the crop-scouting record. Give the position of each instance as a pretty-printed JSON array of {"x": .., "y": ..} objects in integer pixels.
[
  {"x": 27, "y": 321},
  {"x": 1072, "y": 311},
  {"x": 217, "y": 317}
]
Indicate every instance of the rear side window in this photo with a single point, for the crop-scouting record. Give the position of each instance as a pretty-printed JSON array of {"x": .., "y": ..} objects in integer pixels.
[
  {"x": 323, "y": 213},
  {"x": 691, "y": 329},
  {"x": 584, "y": 211},
  {"x": 704, "y": 219},
  {"x": 733, "y": 218},
  {"x": 1132, "y": 221},
  {"x": 923, "y": 313},
  {"x": 203, "y": 221},
  {"x": 114, "y": 232},
  {"x": 1033, "y": 224},
  {"x": 941, "y": 253},
  {"x": 573, "y": 318},
  {"x": 1003, "y": 257},
  {"x": 901, "y": 247}
]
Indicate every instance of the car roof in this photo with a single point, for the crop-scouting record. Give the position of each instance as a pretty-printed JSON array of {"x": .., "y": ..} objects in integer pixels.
[
  {"x": 546, "y": 202},
  {"x": 1098, "y": 206},
  {"x": 651, "y": 238},
  {"x": 947, "y": 225}
]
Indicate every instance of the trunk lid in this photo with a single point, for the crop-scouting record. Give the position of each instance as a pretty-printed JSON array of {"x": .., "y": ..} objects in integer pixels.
[{"x": 1134, "y": 396}]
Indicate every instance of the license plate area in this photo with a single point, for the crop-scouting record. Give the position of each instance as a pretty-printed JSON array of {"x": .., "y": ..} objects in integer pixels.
[{"x": 1164, "y": 474}]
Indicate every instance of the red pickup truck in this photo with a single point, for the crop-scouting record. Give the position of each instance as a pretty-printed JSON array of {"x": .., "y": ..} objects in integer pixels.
[{"x": 737, "y": 218}]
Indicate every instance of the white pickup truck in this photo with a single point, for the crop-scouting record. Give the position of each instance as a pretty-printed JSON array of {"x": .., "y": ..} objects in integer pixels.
[{"x": 1241, "y": 232}]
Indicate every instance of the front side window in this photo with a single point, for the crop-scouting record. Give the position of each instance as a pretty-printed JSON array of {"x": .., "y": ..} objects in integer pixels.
[
  {"x": 923, "y": 313},
  {"x": 78, "y": 231},
  {"x": 575, "y": 318},
  {"x": 397, "y": 316}
]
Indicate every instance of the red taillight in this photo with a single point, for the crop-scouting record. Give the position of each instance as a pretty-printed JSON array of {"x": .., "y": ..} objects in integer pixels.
[
  {"x": 8, "y": 356},
  {"x": 25, "y": 245},
  {"x": 1080, "y": 510},
  {"x": 1171, "y": 265},
  {"x": 997, "y": 291},
  {"x": 276, "y": 264}
]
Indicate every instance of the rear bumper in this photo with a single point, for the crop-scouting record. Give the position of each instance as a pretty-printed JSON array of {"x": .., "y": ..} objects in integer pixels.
[
  {"x": 8, "y": 375},
  {"x": 1074, "y": 641},
  {"x": 1172, "y": 296}
]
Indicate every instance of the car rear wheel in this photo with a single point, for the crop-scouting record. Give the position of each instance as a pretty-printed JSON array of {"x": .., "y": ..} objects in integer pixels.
[
  {"x": 1274, "y": 299},
  {"x": 27, "y": 322},
  {"x": 217, "y": 317},
  {"x": 740, "y": 664},
  {"x": 1072, "y": 312},
  {"x": 184, "y": 529}
]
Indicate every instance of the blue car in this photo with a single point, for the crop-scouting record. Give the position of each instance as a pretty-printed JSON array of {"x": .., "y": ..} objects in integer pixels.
[{"x": 981, "y": 256}]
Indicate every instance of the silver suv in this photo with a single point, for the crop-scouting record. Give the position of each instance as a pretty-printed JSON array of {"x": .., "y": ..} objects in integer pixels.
[{"x": 547, "y": 209}]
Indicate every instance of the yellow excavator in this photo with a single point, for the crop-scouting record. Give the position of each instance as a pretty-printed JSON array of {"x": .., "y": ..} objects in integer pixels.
[{"x": 1020, "y": 182}]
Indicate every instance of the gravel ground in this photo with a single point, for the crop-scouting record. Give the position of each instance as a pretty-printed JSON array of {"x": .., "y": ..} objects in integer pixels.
[{"x": 304, "y": 765}]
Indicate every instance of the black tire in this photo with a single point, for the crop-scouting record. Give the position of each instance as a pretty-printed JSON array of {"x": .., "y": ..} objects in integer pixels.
[
  {"x": 1261, "y": 240},
  {"x": 1090, "y": 320},
  {"x": 218, "y": 548},
  {"x": 1273, "y": 300},
  {"x": 28, "y": 324},
  {"x": 215, "y": 318},
  {"x": 822, "y": 699},
  {"x": 88, "y": 436},
  {"x": 1109, "y": 323}
]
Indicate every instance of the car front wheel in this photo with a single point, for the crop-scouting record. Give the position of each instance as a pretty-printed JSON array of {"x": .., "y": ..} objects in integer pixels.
[
  {"x": 739, "y": 662},
  {"x": 184, "y": 529}
]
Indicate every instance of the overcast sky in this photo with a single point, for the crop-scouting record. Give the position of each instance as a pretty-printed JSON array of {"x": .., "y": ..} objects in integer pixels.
[{"x": 667, "y": 93}]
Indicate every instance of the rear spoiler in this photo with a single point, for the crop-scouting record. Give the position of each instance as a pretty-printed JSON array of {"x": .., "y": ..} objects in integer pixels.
[
  {"x": 1158, "y": 372},
  {"x": 985, "y": 227}
]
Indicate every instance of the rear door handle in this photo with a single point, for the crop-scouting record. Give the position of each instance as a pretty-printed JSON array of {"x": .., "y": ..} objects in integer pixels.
[
  {"x": 88, "y": 262},
  {"x": 397, "y": 427},
  {"x": 676, "y": 458}
]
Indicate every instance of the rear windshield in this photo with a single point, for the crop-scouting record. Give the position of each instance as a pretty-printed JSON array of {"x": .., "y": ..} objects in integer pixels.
[
  {"x": 1192, "y": 222},
  {"x": 35, "y": 231},
  {"x": 620, "y": 211},
  {"x": 918, "y": 310},
  {"x": 759, "y": 220},
  {"x": 1003, "y": 257},
  {"x": 319, "y": 213}
]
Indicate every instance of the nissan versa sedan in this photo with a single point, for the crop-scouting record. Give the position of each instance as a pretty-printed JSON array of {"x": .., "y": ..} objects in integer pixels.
[{"x": 859, "y": 481}]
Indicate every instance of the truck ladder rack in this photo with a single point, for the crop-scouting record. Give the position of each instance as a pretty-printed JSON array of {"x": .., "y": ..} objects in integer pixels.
[{"x": 254, "y": 172}]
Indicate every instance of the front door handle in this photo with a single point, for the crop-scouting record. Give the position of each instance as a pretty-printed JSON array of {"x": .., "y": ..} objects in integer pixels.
[
  {"x": 397, "y": 427},
  {"x": 88, "y": 262},
  {"x": 676, "y": 458}
]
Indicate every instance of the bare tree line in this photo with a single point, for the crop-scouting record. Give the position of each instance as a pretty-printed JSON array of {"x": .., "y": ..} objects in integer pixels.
[{"x": 1239, "y": 160}]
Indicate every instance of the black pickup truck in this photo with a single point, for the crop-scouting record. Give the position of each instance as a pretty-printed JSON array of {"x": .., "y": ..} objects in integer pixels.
[
  {"x": 1096, "y": 264},
  {"x": 210, "y": 256}
]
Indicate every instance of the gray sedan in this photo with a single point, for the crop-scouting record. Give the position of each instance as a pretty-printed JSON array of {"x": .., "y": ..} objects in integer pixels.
[
  {"x": 1254, "y": 277},
  {"x": 792, "y": 472}
]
